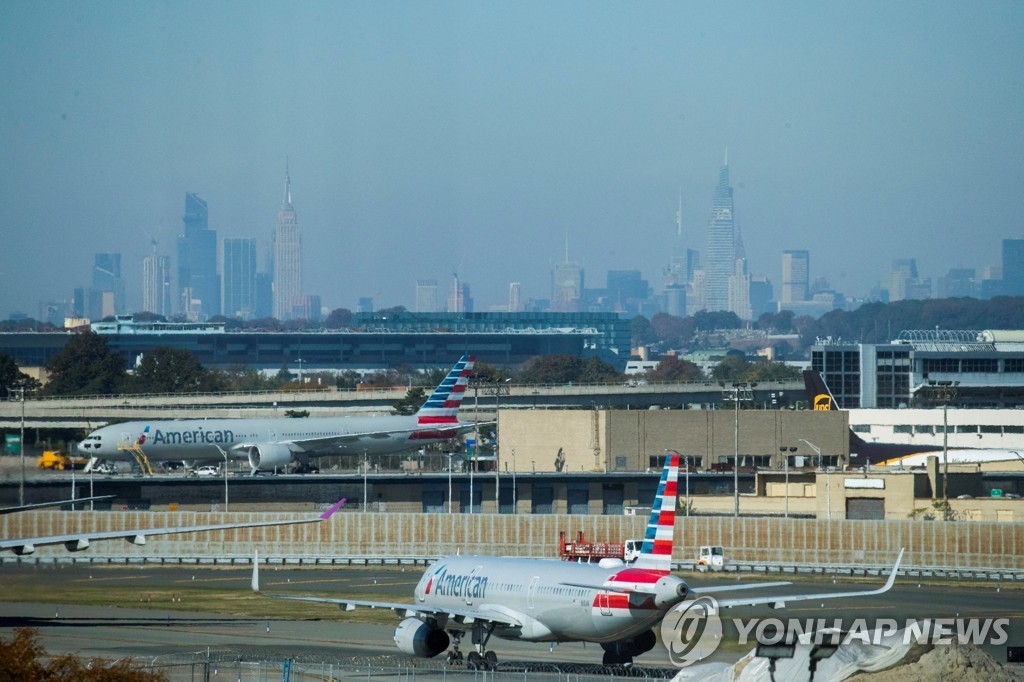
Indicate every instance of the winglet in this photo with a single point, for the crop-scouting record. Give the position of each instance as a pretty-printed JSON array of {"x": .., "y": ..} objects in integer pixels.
[
  {"x": 895, "y": 569},
  {"x": 335, "y": 507},
  {"x": 255, "y": 570}
]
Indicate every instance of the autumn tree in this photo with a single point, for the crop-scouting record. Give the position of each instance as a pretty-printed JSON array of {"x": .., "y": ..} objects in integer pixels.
[
  {"x": 23, "y": 658},
  {"x": 671, "y": 369}
]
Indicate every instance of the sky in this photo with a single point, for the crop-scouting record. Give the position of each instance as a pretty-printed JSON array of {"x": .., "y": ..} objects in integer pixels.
[{"x": 425, "y": 139}]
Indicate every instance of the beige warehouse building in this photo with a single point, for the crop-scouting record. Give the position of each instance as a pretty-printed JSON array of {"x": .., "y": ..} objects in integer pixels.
[{"x": 623, "y": 440}]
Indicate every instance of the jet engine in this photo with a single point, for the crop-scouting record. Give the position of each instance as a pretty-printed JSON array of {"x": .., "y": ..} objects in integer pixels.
[
  {"x": 269, "y": 455},
  {"x": 413, "y": 636}
]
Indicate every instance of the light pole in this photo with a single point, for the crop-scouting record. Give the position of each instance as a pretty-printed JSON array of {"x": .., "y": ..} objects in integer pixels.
[
  {"x": 828, "y": 482},
  {"x": 366, "y": 465},
  {"x": 449, "y": 483},
  {"x": 515, "y": 492},
  {"x": 944, "y": 391},
  {"x": 224, "y": 453},
  {"x": 737, "y": 387},
  {"x": 785, "y": 462},
  {"x": 20, "y": 390}
]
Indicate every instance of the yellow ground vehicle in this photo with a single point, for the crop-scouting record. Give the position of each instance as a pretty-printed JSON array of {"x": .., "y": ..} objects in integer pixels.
[{"x": 55, "y": 459}]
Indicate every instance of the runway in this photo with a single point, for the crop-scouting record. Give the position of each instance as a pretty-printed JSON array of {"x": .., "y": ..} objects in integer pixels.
[{"x": 131, "y": 614}]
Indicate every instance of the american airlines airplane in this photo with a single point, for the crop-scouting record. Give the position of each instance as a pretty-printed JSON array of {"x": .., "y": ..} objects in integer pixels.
[
  {"x": 544, "y": 600},
  {"x": 271, "y": 443}
]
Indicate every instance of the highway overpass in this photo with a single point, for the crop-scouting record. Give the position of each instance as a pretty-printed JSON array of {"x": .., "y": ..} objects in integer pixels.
[{"x": 89, "y": 412}]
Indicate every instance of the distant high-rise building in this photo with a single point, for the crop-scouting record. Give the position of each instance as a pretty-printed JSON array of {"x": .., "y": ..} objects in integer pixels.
[
  {"x": 240, "y": 278},
  {"x": 426, "y": 296},
  {"x": 796, "y": 270},
  {"x": 106, "y": 295},
  {"x": 904, "y": 283},
  {"x": 957, "y": 283},
  {"x": 1013, "y": 267},
  {"x": 627, "y": 291},
  {"x": 761, "y": 296},
  {"x": 515, "y": 297},
  {"x": 264, "y": 303},
  {"x": 156, "y": 284},
  {"x": 675, "y": 300},
  {"x": 720, "y": 263},
  {"x": 365, "y": 304},
  {"x": 198, "y": 282},
  {"x": 287, "y": 256},
  {"x": 459, "y": 299},
  {"x": 739, "y": 291}
]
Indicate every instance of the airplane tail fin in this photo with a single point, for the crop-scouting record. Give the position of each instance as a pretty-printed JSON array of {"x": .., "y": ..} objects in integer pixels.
[
  {"x": 442, "y": 407},
  {"x": 656, "y": 552},
  {"x": 817, "y": 391}
]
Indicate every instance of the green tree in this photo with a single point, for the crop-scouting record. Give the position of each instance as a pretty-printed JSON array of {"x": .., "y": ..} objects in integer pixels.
[
  {"x": 732, "y": 368},
  {"x": 641, "y": 332},
  {"x": 413, "y": 400},
  {"x": 340, "y": 318},
  {"x": 85, "y": 366},
  {"x": 565, "y": 369},
  {"x": 173, "y": 370},
  {"x": 12, "y": 377}
]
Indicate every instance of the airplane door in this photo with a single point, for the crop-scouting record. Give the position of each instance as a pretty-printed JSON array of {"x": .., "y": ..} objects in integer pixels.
[
  {"x": 603, "y": 601},
  {"x": 531, "y": 591}
]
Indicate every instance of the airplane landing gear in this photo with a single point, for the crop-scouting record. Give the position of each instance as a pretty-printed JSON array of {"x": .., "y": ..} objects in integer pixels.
[
  {"x": 482, "y": 659},
  {"x": 612, "y": 658},
  {"x": 454, "y": 655}
]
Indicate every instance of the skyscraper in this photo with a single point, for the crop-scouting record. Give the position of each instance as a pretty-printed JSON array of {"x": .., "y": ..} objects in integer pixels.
[
  {"x": 720, "y": 263},
  {"x": 1013, "y": 267},
  {"x": 287, "y": 257},
  {"x": 796, "y": 270},
  {"x": 106, "y": 295},
  {"x": 156, "y": 284},
  {"x": 515, "y": 297},
  {"x": 240, "y": 278},
  {"x": 426, "y": 295},
  {"x": 198, "y": 282}
]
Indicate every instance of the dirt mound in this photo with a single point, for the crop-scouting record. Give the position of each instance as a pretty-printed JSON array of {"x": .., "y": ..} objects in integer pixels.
[{"x": 946, "y": 662}]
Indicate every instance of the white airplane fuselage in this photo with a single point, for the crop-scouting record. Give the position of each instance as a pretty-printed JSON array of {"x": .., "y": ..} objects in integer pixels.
[
  {"x": 208, "y": 439},
  {"x": 556, "y": 601}
]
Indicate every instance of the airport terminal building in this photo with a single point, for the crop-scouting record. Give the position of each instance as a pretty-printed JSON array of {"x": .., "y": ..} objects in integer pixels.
[
  {"x": 373, "y": 341},
  {"x": 961, "y": 368}
]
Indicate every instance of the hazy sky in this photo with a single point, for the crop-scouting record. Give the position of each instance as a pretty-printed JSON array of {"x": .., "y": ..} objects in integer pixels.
[{"x": 430, "y": 137}]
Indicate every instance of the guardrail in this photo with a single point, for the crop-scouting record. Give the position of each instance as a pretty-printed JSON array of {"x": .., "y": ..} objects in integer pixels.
[{"x": 924, "y": 573}]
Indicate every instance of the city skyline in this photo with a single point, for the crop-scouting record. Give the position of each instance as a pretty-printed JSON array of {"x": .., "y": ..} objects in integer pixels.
[{"x": 431, "y": 140}]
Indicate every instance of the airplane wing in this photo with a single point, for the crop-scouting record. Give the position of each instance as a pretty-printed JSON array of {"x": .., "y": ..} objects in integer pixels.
[
  {"x": 779, "y": 601},
  {"x": 455, "y": 617},
  {"x": 76, "y": 542},
  {"x": 314, "y": 444}
]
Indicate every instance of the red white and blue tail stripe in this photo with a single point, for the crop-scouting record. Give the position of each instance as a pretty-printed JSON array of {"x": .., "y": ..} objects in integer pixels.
[
  {"x": 656, "y": 552},
  {"x": 442, "y": 407}
]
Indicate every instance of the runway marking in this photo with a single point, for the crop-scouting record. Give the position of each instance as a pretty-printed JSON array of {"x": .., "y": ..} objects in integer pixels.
[{"x": 117, "y": 578}]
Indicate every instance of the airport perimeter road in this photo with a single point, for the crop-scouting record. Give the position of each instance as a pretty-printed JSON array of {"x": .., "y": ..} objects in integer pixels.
[{"x": 119, "y": 621}]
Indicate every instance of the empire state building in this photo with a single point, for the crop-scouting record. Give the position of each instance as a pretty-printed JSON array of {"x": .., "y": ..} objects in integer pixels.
[{"x": 287, "y": 257}]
